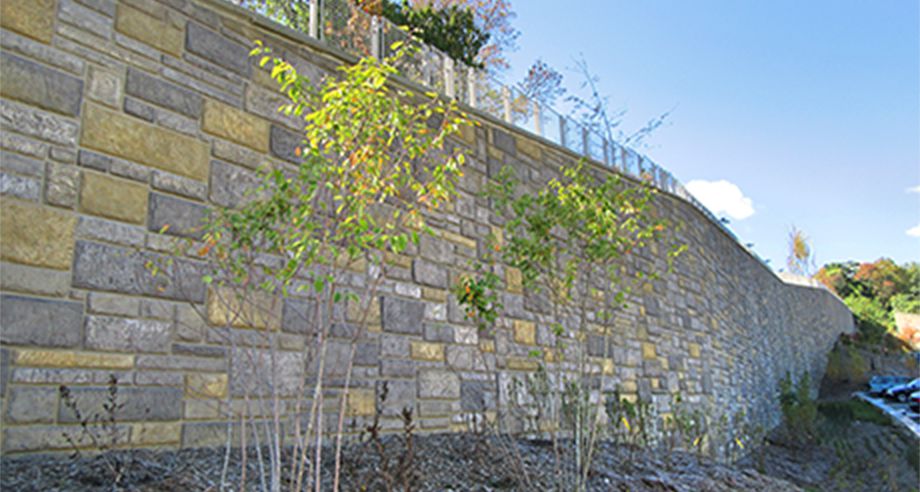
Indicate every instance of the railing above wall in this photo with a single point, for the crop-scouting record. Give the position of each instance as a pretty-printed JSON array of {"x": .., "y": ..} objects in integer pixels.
[{"x": 345, "y": 26}]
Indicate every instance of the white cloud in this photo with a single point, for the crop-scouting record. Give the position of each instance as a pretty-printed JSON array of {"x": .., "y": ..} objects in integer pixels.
[
  {"x": 722, "y": 198},
  {"x": 914, "y": 189},
  {"x": 914, "y": 231}
]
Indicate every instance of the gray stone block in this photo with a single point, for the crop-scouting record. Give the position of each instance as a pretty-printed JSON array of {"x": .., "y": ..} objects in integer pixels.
[
  {"x": 4, "y": 369},
  {"x": 183, "y": 217},
  {"x": 61, "y": 185},
  {"x": 140, "y": 404},
  {"x": 127, "y": 334},
  {"x": 32, "y": 405},
  {"x": 232, "y": 186},
  {"x": 367, "y": 354},
  {"x": 504, "y": 141},
  {"x": 439, "y": 333},
  {"x": 399, "y": 395},
  {"x": 40, "y": 86},
  {"x": 198, "y": 350},
  {"x": 38, "y": 124},
  {"x": 40, "y": 322},
  {"x": 401, "y": 315},
  {"x": 427, "y": 273},
  {"x": 438, "y": 384},
  {"x": 162, "y": 93},
  {"x": 180, "y": 185},
  {"x": 19, "y": 164},
  {"x": 284, "y": 143},
  {"x": 93, "y": 160},
  {"x": 103, "y": 303},
  {"x": 477, "y": 396},
  {"x": 109, "y": 231},
  {"x": 217, "y": 49},
  {"x": 297, "y": 315},
  {"x": 397, "y": 368},
  {"x": 115, "y": 269},
  {"x": 22, "y": 187}
]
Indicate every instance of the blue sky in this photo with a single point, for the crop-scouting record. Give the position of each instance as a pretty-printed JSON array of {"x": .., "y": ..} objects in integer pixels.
[{"x": 811, "y": 109}]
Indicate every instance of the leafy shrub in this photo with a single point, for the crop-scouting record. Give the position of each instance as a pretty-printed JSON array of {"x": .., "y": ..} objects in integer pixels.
[{"x": 799, "y": 410}]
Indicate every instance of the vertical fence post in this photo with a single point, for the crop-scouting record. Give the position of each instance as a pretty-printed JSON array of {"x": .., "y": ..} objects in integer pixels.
[
  {"x": 584, "y": 142},
  {"x": 606, "y": 153},
  {"x": 537, "y": 120},
  {"x": 471, "y": 85},
  {"x": 449, "y": 88},
  {"x": 561, "y": 131},
  {"x": 376, "y": 38},
  {"x": 506, "y": 103},
  {"x": 314, "y": 19}
]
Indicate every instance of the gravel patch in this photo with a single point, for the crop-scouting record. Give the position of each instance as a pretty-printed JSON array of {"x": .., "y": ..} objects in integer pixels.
[{"x": 445, "y": 462}]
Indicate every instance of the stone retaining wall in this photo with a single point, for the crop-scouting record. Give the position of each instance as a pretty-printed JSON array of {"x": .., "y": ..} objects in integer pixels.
[{"x": 120, "y": 117}]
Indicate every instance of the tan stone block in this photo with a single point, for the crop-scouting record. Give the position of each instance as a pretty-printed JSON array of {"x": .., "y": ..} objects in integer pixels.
[
  {"x": 232, "y": 124},
  {"x": 55, "y": 358},
  {"x": 206, "y": 385},
  {"x": 629, "y": 387},
  {"x": 648, "y": 351},
  {"x": 607, "y": 366},
  {"x": 458, "y": 239},
  {"x": 522, "y": 364},
  {"x": 529, "y": 148},
  {"x": 355, "y": 310},
  {"x": 495, "y": 153},
  {"x": 148, "y": 29},
  {"x": 525, "y": 332},
  {"x": 114, "y": 133},
  {"x": 487, "y": 346},
  {"x": 514, "y": 280},
  {"x": 468, "y": 135},
  {"x": 427, "y": 350},
  {"x": 437, "y": 295},
  {"x": 114, "y": 198},
  {"x": 34, "y": 18},
  {"x": 35, "y": 235},
  {"x": 251, "y": 309},
  {"x": 695, "y": 350},
  {"x": 398, "y": 260},
  {"x": 549, "y": 355},
  {"x": 201, "y": 409},
  {"x": 361, "y": 402},
  {"x": 156, "y": 433},
  {"x": 354, "y": 264},
  {"x": 498, "y": 236}
]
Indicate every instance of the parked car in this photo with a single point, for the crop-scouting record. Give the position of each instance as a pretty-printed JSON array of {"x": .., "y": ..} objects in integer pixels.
[
  {"x": 900, "y": 392},
  {"x": 914, "y": 401},
  {"x": 878, "y": 384}
]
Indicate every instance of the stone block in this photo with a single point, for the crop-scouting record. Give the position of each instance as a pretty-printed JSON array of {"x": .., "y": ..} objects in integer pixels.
[
  {"x": 103, "y": 303},
  {"x": 250, "y": 309},
  {"x": 232, "y": 186},
  {"x": 427, "y": 351},
  {"x": 140, "y": 404},
  {"x": 439, "y": 333},
  {"x": 504, "y": 141},
  {"x": 99, "y": 229},
  {"x": 477, "y": 396},
  {"x": 525, "y": 332},
  {"x": 156, "y": 433},
  {"x": 180, "y": 185},
  {"x": 206, "y": 385},
  {"x": 61, "y": 185},
  {"x": 430, "y": 274},
  {"x": 360, "y": 401},
  {"x": 114, "y": 198},
  {"x": 116, "y": 269},
  {"x": 237, "y": 154},
  {"x": 227, "y": 122},
  {"x": 40, "y": 322},
  {"x": 648, "y": 351},
  {"x": 49, "y": 437},
  {"x": 397, "y": 368},
  {"x": 252, "y": 373},
  {"x": 37, "y": 123},
  {"x": 218, "y": 49},
  {"x": 163, "y": 93},
  {"x": 695, "y": 350},
  {"x": 34, "y": 235},
  {"x": 159, "y": 33},
  {"x": 32, "y": 405},
  {"x": 34, "y": 18},
  {"x": 127, "y": 334},
  {"x": 179, "y": 217},
  {"x": 48, "y": 358},
  {"x": 114, "y": 133},
  {"x": 399, "y": 395},
  {"x": 514, "y": 281},
  {"x": 32, "y": 280},
  {"x": 24, "y": 188},
  {"x": 438, "y": 384},
  {"x": 401, "y": 315},
  {"x": 285, "y": 144},
  {"x": 38, "y": 85},
  {"x": 105, "y": 86},
  {"x": 522, "y": 364}
]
